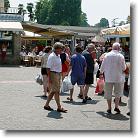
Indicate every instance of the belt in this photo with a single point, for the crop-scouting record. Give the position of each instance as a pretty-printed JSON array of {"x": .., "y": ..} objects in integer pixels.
[{"x": 56, "y": 72}]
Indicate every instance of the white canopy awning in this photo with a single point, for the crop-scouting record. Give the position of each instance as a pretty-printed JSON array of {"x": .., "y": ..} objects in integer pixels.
[
  {"x": 119, "y": 30},
  {"x": 30, "y": 34},
  {"x": 11, "y": 26}
]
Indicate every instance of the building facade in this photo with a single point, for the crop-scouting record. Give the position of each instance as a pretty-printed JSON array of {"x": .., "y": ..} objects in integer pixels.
[{"x": 10, "y": 30}]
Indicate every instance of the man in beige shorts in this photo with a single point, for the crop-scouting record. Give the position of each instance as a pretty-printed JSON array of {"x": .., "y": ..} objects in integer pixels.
[
  {"x": 54, "y": 68},
  {"x": 113, "y": 67}
]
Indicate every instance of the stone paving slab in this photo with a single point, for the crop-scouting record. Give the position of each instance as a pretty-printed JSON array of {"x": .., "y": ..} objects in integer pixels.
[{"x": 21, "y": 106}]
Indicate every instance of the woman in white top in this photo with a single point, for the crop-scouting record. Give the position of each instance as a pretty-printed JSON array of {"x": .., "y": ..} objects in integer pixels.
[{"x": 47, "y": 50}]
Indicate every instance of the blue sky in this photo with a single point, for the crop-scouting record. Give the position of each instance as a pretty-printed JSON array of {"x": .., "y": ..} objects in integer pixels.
[{"x": 97, "y": 9}]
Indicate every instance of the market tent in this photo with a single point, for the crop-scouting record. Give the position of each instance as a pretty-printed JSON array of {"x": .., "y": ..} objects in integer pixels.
[
  {"x": 98, "y": 39},
  {"x": 27, "y": 35},
  {"x": 11, "y": 26},
  {"x": 34, "y": 38},
  {"x": 119, "y": 30},
  {"x": 30, "y": 34},
  {"x": 55, "y": 32},
  {"x": 43, "y": 30}
]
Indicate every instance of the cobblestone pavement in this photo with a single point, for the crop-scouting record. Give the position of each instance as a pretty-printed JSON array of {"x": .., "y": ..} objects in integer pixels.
[{"x": 21, "y": 106}]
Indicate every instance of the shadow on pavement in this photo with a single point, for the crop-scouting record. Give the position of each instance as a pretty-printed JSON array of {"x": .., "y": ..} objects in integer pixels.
[
  {"x": 10, "y": 66},
  {"x": 64, "y": 94},
  {"x": 55, "y": 115},
  {"x": 120, "y": 117},
  {"x": 80, "y": 103},
  {"x": 42, "y": 97},
  {"x": 122, "y": 104}
]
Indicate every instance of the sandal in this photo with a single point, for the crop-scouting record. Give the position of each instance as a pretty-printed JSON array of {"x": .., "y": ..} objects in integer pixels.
[
  {"x": 48, "y": 108},
  {"x": 70, "y": 99},
  {"x": 88, "y": 98},
  {"x": 80, "y": 96},
  {"x": 62, "y": 110},
  {"x": 117, "y": 110}
]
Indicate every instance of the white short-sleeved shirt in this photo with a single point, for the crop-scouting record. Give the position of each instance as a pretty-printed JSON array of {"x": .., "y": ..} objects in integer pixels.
[
  {"x": 54, "y": 63},
  {"x": 113, "y": 66}
]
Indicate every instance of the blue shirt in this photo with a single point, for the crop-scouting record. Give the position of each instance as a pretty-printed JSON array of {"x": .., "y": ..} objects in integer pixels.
[{"x": 78, "y": 64}]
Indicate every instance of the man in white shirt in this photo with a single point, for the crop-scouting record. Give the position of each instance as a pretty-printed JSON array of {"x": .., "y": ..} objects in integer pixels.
[
  {"x": 113, "y": 67},
  {"x": 54, "y": 69}
]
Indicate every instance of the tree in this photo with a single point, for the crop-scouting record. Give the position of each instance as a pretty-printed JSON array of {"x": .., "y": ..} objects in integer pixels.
[
  {"x": 97, "y": 25},
  {"x": 30, "y": 7},
  {"x": 20, "y": 9},
  {"x": 57, "y": 12},
  {"x": 73, "y": 12},
  {"x": 6, "y": 5},
  {"x": 60, "y": 12},
  {"x": 122, "y": 23},
  {"x": 104, "y": 22},
  {"x": 84, "y": 20},
  {"x": 42, "y": 11}
]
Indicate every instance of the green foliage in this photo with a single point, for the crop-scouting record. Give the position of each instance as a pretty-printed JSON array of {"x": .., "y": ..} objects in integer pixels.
[
  {"x": 6, "y": 5},
  {"x": 41, "y": 43},
  {"x": 103, "y": 23},
  {"x": 60, "y": 12},
  {"x": 122, "y": 23},
  {"x": 42, "y": 11},
  {"x": 30, "y": 7},
  {"x": 84, "y": 20},
  {"x": 20, "y": 8}
]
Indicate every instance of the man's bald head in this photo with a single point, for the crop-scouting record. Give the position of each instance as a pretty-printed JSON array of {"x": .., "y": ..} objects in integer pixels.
[{"x": 116, "y": 46}]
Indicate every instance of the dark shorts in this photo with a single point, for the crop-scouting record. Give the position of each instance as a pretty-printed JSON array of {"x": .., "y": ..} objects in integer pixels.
[
  {"x": 97, "y": 75},
  {"x": 89, "y": 78},
  {"x": 43, "y": 71},
  {"x": 80, "y": 80}
]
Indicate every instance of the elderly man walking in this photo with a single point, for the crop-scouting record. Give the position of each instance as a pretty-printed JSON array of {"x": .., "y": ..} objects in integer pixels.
[
  {"x": 90, "y": 69},
  {"x": 113, "y": 67},
  {"x": 54, "y": 69}
]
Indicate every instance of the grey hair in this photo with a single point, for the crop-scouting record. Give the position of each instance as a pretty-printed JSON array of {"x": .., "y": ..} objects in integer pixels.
[
  {"x": 58, "y": 45},
  {"x": 91, "y": 45},
  {"x": 116, "y": 46}
]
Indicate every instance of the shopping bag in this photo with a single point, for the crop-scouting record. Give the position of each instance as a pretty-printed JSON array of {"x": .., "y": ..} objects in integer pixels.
[
  {"x": 66, "y": 84},
  {"x": 96, "y": 68},
  {"x": 39, "y": 79}
]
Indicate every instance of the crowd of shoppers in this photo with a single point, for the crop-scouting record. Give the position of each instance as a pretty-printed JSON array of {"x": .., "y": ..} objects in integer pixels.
[{"x": 57, "y": 63}]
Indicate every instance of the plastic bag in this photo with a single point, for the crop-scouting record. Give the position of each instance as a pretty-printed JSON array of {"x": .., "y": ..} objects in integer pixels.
[
  {"x": 66, "y": 84},
  {"x": 96, "y": 68},
  {"x": 39, "y": 79}
]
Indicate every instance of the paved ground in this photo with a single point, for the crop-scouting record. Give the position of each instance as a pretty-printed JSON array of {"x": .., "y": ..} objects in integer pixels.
[{"x": 21, "y": 106}]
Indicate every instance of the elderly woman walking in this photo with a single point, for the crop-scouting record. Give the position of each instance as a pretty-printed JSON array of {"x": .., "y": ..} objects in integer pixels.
[{"x": 47, "y": 50}]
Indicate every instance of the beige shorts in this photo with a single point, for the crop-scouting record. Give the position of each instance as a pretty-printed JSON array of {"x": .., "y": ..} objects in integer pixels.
[
  {"x": 55, "y": 81},
  {"x": 116, "y": 88}
]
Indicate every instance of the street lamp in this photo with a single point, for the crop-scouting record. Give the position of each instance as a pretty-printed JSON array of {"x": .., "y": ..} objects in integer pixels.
[{"x": 114, "y": 22}]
